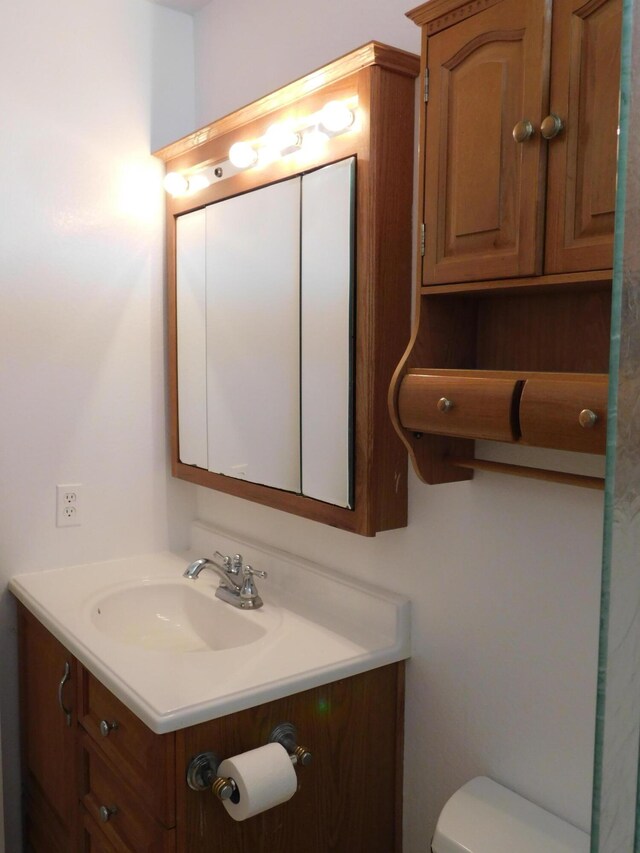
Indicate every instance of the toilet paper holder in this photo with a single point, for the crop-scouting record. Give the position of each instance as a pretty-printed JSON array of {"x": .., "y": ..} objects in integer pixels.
[{"x": 202, "y": 772}]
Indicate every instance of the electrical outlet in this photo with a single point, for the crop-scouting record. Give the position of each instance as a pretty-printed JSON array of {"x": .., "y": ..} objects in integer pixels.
[{"x": 68, "y": 505}]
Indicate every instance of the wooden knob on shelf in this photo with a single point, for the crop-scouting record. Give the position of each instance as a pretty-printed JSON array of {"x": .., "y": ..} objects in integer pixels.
[
  {"x": 587, "y": 419},
  {"x": 444, "y": 405}
]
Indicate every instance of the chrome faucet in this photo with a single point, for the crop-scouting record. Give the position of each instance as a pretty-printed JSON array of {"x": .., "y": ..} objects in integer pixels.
[{"x": 241, "y": 594}]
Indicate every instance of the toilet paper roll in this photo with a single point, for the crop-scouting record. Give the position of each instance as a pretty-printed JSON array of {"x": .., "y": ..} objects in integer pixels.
[{"x": 264, "y": 777}]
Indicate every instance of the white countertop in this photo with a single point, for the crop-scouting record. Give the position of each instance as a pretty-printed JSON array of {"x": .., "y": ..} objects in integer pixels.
[{"x": 319, "y": 626}]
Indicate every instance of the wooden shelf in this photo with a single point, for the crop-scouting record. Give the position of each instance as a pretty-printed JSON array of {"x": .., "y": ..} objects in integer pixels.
[
  {"x": 530, "y": 473},
  {"x": 581, "y": 281}
]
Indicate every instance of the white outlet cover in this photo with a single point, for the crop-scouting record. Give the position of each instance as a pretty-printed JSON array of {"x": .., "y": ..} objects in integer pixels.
[{"x": 68, "y": 505}]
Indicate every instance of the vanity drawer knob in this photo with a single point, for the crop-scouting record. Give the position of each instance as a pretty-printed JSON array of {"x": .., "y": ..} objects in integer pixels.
[
  {"x": 106, "y": 812},
  {"x": 587, "y": 418},
  {"x": 106, "y": 727},
  {"x": 444, "y": 405}
]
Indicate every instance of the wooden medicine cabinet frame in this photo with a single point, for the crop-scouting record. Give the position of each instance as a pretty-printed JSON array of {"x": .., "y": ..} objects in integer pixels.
[{"x": 380, "y": 81}]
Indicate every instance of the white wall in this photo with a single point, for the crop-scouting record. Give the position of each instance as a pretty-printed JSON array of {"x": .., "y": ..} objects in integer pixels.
[
  {"x": 86, "y": 96},
  {"x": 504, "y": 574}
]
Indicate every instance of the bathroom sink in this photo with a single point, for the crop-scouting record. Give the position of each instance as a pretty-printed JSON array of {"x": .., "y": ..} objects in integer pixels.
[
  {"x": 172, "y": 616},
  {"x": 177, "y": 656}
]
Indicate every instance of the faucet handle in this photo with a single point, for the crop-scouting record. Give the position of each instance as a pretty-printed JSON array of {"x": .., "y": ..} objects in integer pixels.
[
  {"x": 249, "y": 570},
  {"x": 226, "y": 560}
]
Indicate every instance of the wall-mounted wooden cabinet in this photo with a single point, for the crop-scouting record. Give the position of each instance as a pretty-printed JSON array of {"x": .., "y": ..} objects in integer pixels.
[
  {"x": 289, "y": 296},
  {"x": 517, "y": 189}
]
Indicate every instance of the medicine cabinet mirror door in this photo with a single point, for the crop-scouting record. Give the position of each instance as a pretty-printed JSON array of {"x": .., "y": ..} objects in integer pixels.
[{"x": 265, "y": 335}]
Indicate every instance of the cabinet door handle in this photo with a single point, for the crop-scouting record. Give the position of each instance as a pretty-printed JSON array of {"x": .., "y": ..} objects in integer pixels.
[
  {"x": 444, "y": 405},
  {"x": 106, "y": 727},
  {"x": 523, "y": 130},
  {"x": 551, "y": 126},
  {"x": 65, "y": 677},
  {"x": 106, "y": 813}
]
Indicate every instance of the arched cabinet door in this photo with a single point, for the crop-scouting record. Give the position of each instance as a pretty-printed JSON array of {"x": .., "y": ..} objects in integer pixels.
[
  {"x": 484, "y": 172},
  {"x": 583, "y": 154}
]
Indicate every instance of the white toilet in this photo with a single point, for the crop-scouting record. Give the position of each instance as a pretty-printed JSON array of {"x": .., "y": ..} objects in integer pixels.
[{"x": 484, "y": 817}]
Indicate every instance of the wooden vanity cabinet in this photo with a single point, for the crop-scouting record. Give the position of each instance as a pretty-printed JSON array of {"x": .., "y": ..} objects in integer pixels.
[
  {"x": 517, "y": 188},
  {"x": 121, "y": 788}
]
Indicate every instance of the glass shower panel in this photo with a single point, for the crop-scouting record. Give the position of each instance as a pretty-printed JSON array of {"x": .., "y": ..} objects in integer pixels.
[{"x": 614, "y": 821}]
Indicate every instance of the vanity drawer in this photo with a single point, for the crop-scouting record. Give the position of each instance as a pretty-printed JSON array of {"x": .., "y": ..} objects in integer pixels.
[
  {"x": 146, "y": 759},
  {"x": 126, "y": 824},
  {"x": 469, "y": 407},
  {"x": 93, "y": 838},
  {"x": 568, "y": 414}
]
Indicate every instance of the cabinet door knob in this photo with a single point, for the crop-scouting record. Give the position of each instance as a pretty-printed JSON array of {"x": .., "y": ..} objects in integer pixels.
[
  {"x": 106, "y": 813},
  {"x": 523, "y": 130},
  {"x": 587, "y": 418},
  {"x": 106, "y": 727},
  {"x": 444, "y": 405},
  {"x": 551, "y": 126}
]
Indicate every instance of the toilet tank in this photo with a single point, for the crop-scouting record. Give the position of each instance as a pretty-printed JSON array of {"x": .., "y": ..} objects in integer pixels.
[{"x": 484, "y": 817}]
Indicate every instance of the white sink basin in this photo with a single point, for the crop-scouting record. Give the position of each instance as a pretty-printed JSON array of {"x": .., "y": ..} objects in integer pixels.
[
  {"x": 177, "y": 656},
  {"x": 176, "y": 616}
]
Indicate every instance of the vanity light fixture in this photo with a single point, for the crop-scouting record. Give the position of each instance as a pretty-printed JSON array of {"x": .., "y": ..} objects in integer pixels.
[
  {"x": 336, "y": 117},
  {"x": 309, "y": 134},
  {"x": 314, "y": 141},
  {"x": 179, "y": 184},
  {"x": 279, "y": 140},
  {"x": 242, "y": 155},
  {"x": 175, "y": 184}
]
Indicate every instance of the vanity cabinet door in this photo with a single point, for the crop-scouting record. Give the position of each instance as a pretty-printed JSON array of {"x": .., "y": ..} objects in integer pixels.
[
  {"x": 47, "y": 684},
  {"x": 348, "y": 798}
]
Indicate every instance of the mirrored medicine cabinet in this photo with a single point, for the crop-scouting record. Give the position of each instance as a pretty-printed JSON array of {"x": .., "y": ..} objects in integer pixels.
[{"x": 289, "y": 279}]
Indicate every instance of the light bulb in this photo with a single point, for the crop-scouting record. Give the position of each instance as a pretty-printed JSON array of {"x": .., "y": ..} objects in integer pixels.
[
  {"x": 242, "y": 155},
  {"x": 198, "y": 182},
  {"x": 175, "y": 183},
  {"x": 313, "y": 142},
  {"x": 336, "y": 116},
  {"x": 281, "y": 138}
]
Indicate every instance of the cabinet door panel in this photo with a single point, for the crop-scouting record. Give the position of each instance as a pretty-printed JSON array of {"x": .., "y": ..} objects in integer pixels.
[
  {"x": 253, "y": 336},
  {"x": 49, "y": 744},
  {"x": 483, "y": 190},
  {"x": 343, "y": 802},
  {"x": 583, "y": 157},
  {"x": 326, "y": 332}
]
